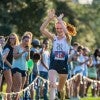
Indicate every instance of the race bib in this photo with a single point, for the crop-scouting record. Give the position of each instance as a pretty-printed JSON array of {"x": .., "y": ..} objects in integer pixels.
[{"x": 59, "y": 55}]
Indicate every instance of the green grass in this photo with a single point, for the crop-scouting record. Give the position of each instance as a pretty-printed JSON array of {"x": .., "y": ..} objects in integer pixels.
[{"x": 89, "y": 96}]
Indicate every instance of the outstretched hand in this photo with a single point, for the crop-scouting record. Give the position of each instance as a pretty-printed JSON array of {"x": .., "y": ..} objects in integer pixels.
[
  {"x": 51, "y": 14},
  {"x": 59, "y": 18}
]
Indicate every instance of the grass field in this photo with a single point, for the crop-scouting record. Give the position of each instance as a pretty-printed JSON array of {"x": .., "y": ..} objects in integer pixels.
[{"x": 89, "y": 96}]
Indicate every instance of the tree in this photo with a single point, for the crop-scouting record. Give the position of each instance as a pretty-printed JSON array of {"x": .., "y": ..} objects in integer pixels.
[{"x": 27, "y": 15}]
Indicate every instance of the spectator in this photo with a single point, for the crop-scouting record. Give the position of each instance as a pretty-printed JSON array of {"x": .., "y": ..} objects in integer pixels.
[
  {"x": 19, "y": 69},
  {"x": 44, "y": 66},
  {"x": 2, "y": 42},
  {"x": 35, "y": 49},
  {"x": 8, "y": 50}
]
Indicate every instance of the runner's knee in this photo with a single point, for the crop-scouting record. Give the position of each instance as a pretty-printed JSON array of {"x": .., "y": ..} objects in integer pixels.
[{"x": 53, "y": 85}]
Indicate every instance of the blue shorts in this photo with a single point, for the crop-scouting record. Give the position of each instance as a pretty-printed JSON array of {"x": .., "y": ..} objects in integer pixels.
[
  {"x": 44, "y": 74},
  {"x": 6, "y": 67},
  {"x": 78, "y": 70},
  {"x": 1, "y": 68},
  {"x": 23, "y": 72},
  {"x": 32, "y": 78}
]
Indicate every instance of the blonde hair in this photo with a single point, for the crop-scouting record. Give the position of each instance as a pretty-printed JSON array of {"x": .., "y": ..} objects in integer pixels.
[
  {"x": 29, "y": 34},
  {"x": 71, "y": 29},
  {"x": 16, "y": 36},
  {"x": 26, "y": 36},
  {"x": 59, "y": 23}
]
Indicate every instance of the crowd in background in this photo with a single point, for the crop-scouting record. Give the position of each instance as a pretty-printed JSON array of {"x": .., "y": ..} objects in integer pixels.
[
  {"x": 15, "y": 55},
  {"x": 81, "y": 61}
]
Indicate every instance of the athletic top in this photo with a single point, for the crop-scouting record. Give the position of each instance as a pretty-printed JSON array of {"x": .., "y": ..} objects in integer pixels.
[
  {"x": 20, "y": 62},
  {"x": 59, "y": 55},
  {"x": 60, "y": 48}
]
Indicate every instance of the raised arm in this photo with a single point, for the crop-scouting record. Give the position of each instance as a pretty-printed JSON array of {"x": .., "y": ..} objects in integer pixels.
[
  {"x": 63, "y": 25},
  {"x": 43, "y": 27}
]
